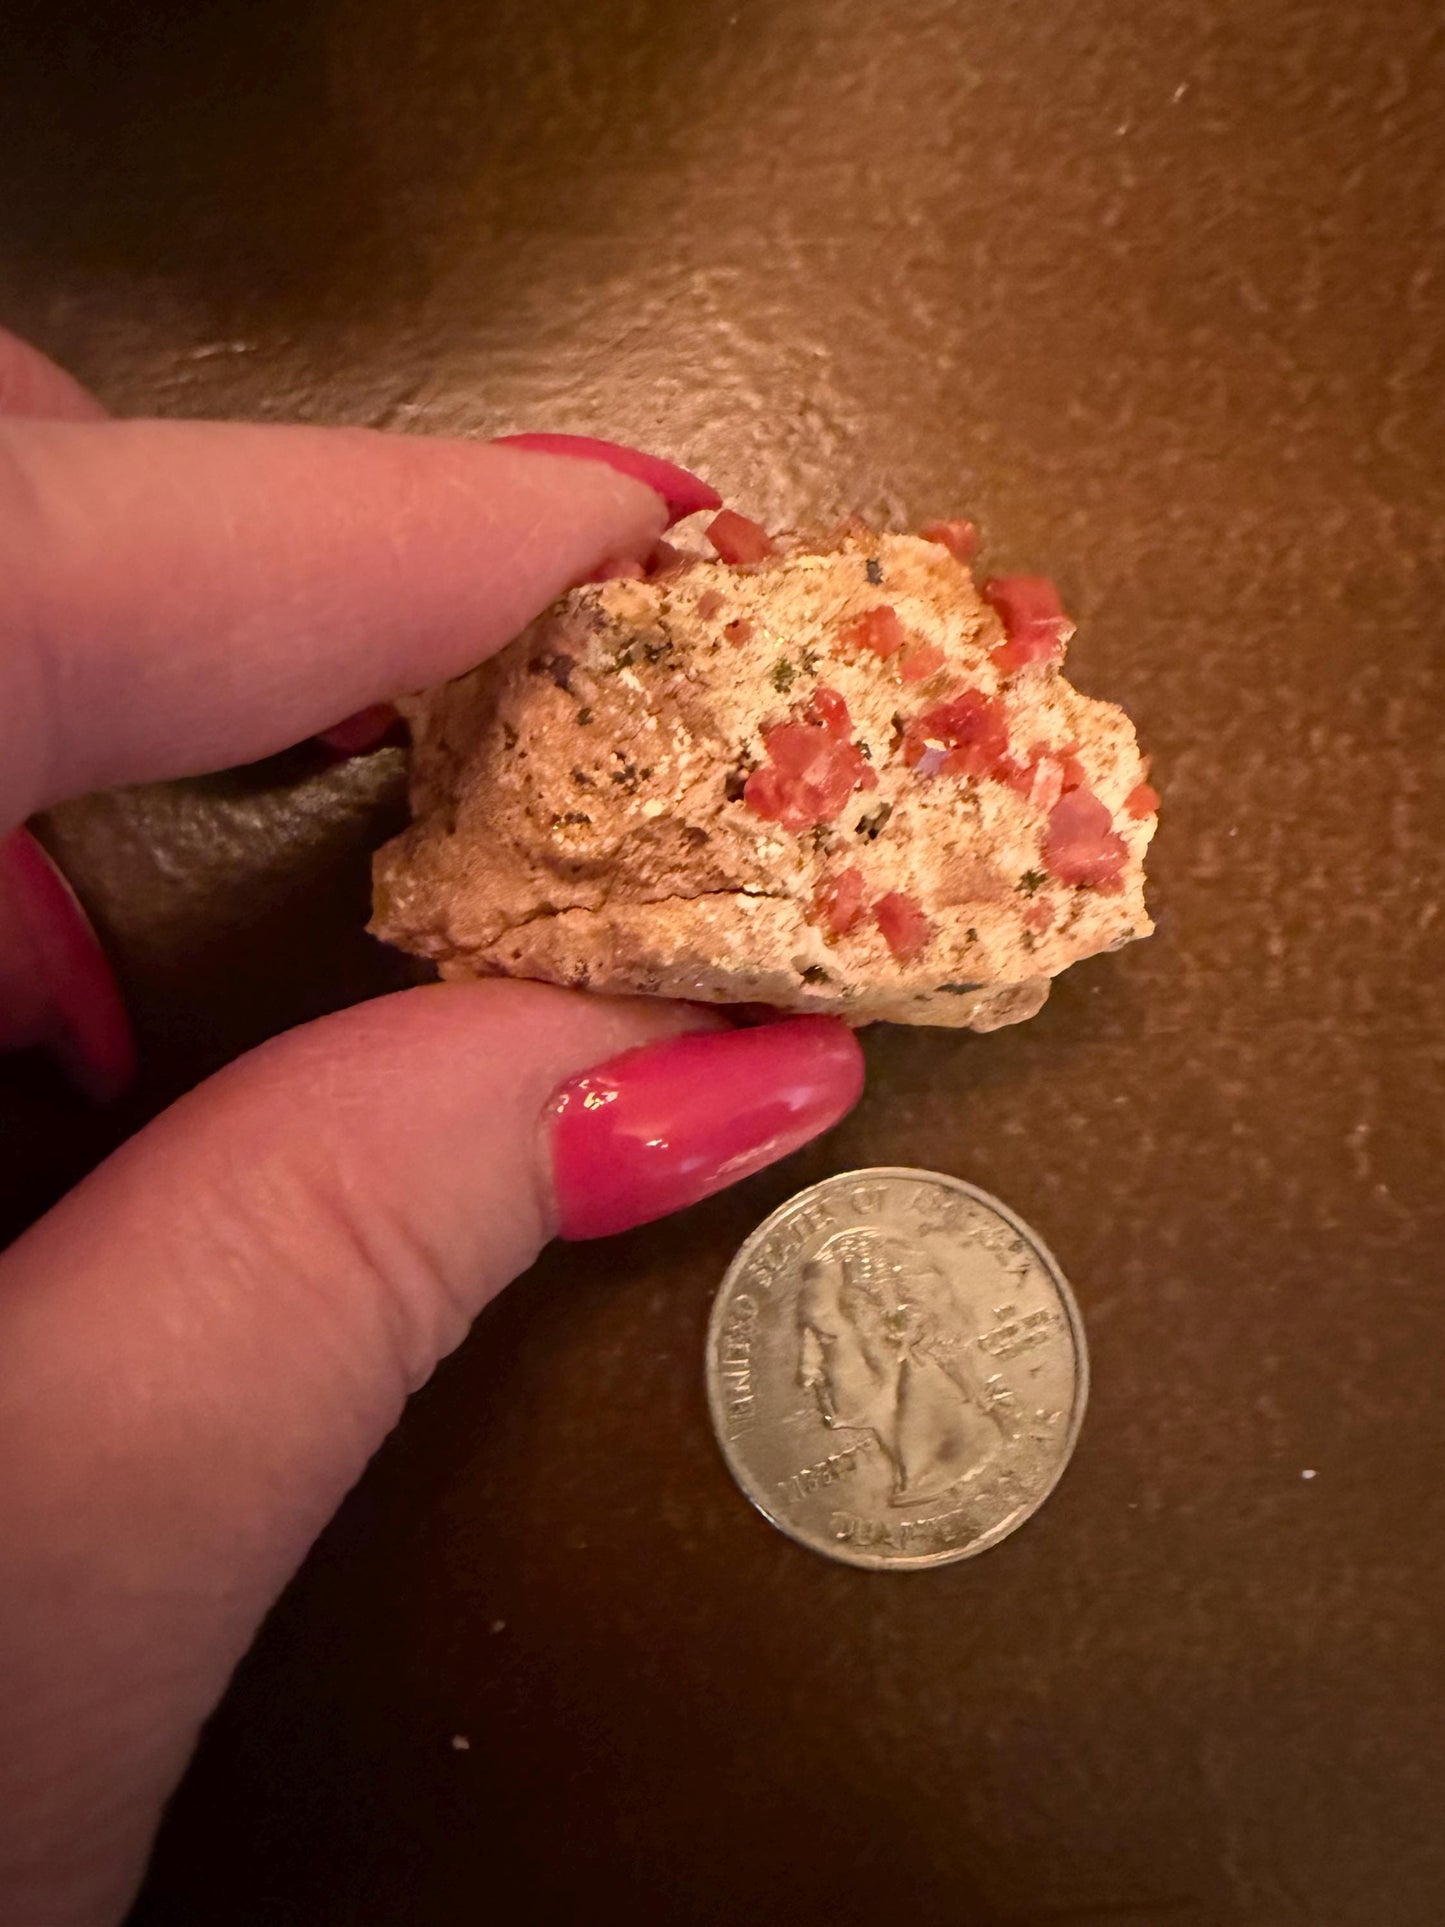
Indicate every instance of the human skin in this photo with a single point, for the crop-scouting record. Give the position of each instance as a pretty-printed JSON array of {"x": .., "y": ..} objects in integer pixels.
[{"x": 202, "y": 1345}]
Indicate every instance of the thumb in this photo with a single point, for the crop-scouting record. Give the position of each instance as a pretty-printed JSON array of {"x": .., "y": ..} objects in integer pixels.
[{"x": 201, "y": 1347}]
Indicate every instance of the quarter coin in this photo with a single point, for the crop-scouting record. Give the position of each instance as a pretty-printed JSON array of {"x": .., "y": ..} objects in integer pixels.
[{"x": 896, "y": 1369}]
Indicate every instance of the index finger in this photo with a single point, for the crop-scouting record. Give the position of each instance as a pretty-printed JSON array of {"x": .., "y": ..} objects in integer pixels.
[
  {"x": 31, "y": 384},
  {"x": 176, "y": 596}
]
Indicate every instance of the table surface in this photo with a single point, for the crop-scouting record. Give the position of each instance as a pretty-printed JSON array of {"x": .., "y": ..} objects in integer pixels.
[{"x": 1154, "y": 291}]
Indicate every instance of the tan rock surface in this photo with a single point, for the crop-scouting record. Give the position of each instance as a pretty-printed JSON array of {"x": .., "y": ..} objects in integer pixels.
[{"x": 580, "y": 816}]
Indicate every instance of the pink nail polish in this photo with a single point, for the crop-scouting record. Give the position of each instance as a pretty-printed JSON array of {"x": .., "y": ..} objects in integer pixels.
[
  {"x": 664, "y": 1125},
  {"x": 56, "y": 987},
  {"x": 683, "y": 492},
  {"x": 366, "y": 729}
]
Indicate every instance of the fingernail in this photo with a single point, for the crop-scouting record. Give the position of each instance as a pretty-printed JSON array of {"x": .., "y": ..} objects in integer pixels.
[
  {"x": 664, "y": 1125},
  {"x": 683, "y": 492},
  {"x": 56, "y": 988},
  {"x": 367, "y": 729}
]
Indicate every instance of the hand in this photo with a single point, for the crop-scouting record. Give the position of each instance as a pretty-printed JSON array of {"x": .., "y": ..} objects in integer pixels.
[{"x": 201, "y": 1346}]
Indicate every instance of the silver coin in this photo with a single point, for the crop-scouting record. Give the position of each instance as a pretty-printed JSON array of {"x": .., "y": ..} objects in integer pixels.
[{"x": 896, "y": 1369}]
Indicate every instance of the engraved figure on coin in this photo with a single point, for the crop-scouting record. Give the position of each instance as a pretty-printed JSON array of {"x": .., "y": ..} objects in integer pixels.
[{"x": 886, "y": 1345}]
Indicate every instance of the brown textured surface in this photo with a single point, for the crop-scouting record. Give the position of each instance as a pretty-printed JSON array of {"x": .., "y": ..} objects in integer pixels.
[{"x": 1156, "y": 292}]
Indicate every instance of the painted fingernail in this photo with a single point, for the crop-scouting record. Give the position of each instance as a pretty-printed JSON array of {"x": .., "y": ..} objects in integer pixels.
[
  {"x": 683, "y": 492},
  {"x": 367, "y": 729},
  {"x": 664, "y": 1125},
  {"x": 56, "y": 988}
]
